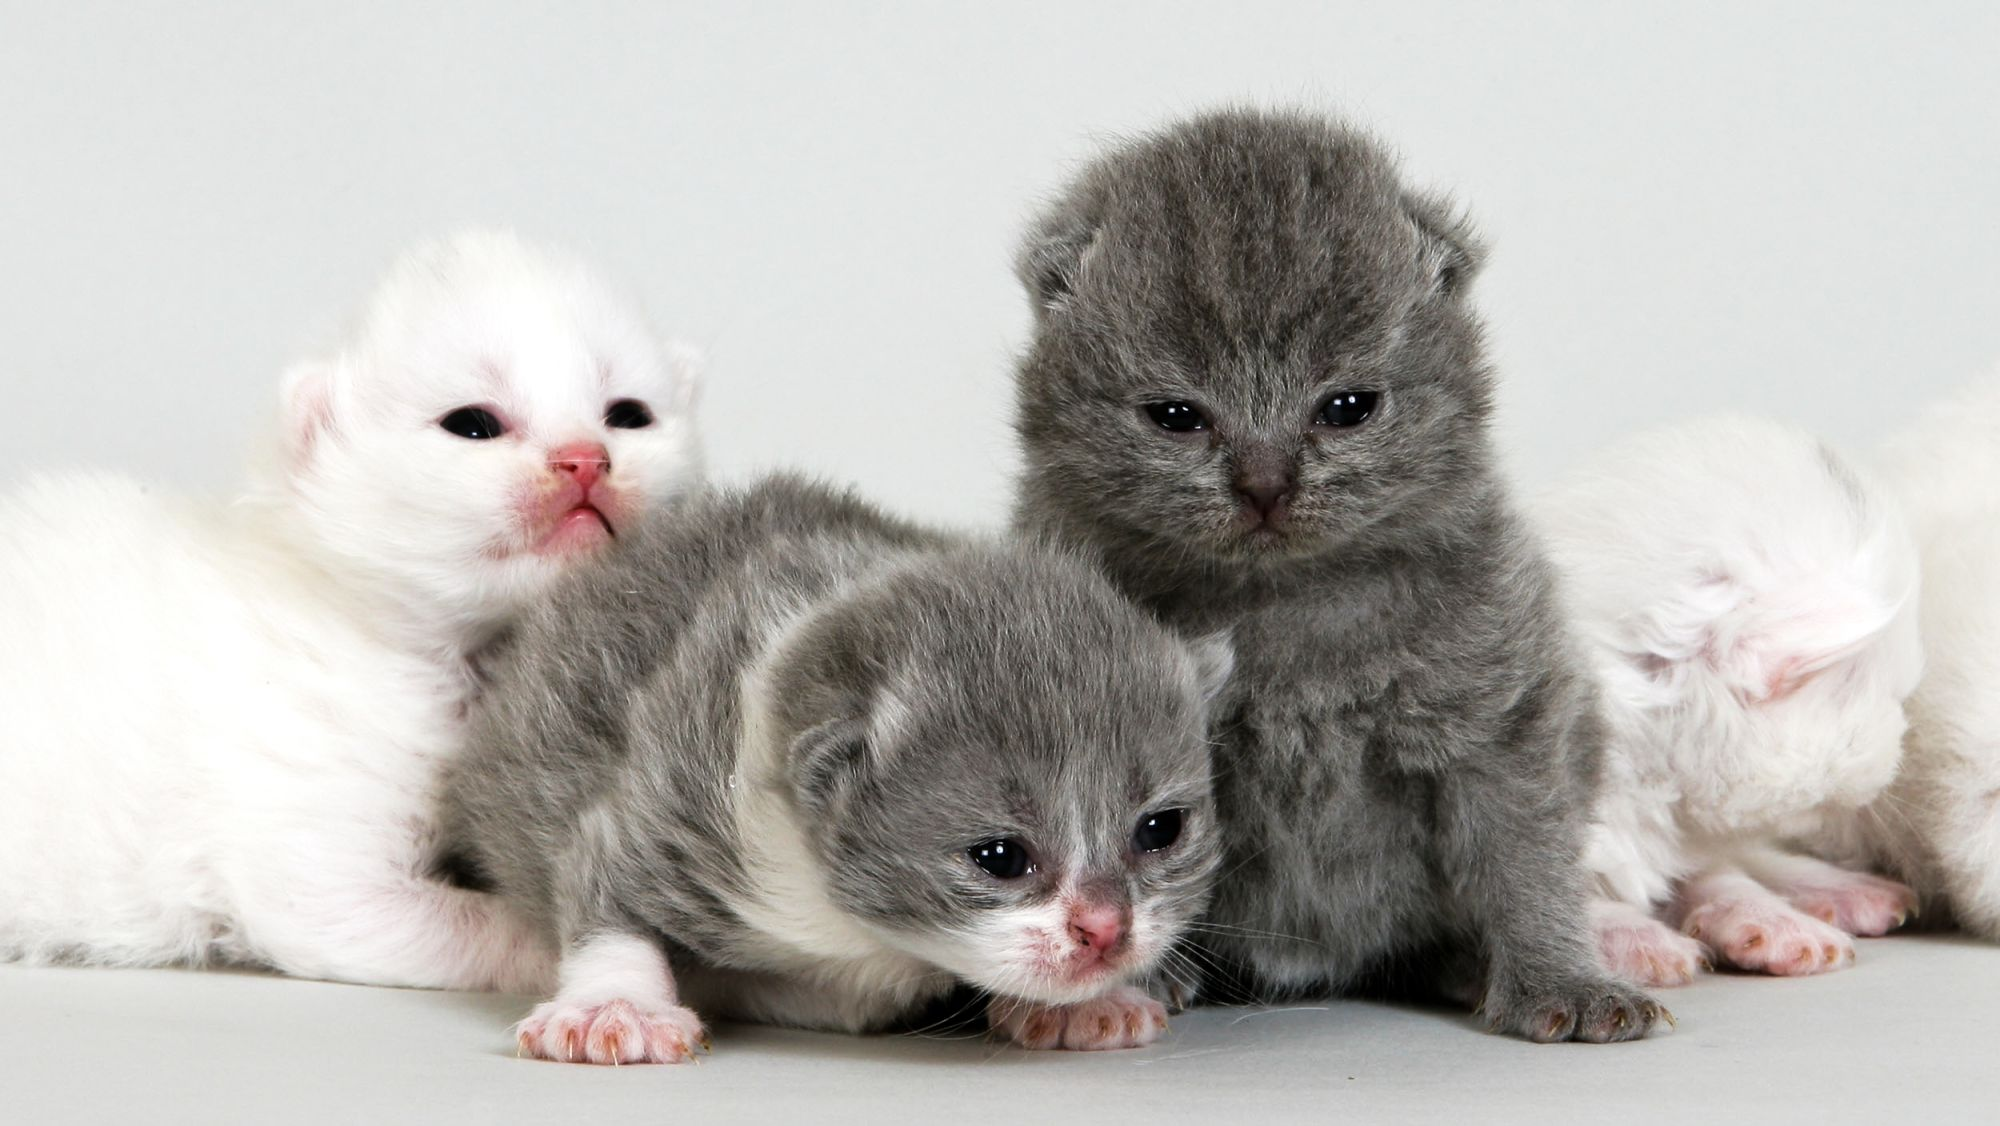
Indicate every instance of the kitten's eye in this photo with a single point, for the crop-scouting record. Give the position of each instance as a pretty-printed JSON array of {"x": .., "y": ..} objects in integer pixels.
[
  {"x": 1158, "y": 830},
  {"x": 1004, "y": 858},
  {"x": 1179, "y": 417},
  {"x": 476, "y": 423},
  {"x": 1348, "y": 408},
  {"x": 628, "y": 414}
]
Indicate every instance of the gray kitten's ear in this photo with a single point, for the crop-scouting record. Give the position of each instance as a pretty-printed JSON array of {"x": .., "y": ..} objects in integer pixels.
[
  {"x": 1451, "y": 251},
  {"x": 1053, "y": 257},
  {"x": 825, "y": 757},
  {"x": 1214, "y": 659}
]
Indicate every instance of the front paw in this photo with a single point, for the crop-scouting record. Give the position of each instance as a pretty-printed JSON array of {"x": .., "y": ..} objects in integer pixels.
[
  {"x": 1768, "y": 936},
  {"x": 1123, "y": 1018},
  {"x": 1856, "y": 902},
  {"x": 1594, "y": 1012},
  {"x": 614, "y": 1032},
  {"x": 1648, "y": 952}
]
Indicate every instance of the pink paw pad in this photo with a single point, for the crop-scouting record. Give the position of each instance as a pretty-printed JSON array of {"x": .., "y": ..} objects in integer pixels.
[
  {"x": 1123, "y": 1018},
  {"x": 1856, "y": 902},
  {"x": 1766, "y": 936},
  {"x": 614, "y": 1032},
  {"x": 1649, "y": 952}
]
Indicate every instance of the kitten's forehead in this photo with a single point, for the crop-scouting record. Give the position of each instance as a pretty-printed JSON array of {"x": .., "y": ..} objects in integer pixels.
[
  {"x": 1252, "y": 234},
  {"x": 487, "y": 319}
]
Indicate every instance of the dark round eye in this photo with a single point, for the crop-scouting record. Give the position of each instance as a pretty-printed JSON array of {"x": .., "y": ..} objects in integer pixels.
[
  {"x": 628, "y": 414},
  {"x": 1157, "y": 830},
  {"x": 1348, "y": 408},
  {"x": 1004, "y": 858},
  {"x": 1179, "y": 417},
  {"x": 476, "y": 423}
]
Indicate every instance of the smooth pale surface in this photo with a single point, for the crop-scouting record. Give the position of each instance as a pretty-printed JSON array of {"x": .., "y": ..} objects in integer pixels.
[{"x": 1909, "y": 1034}]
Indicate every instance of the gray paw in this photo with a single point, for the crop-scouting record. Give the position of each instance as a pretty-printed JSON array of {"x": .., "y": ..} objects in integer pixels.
[{"x": 1594, "y": 1012}]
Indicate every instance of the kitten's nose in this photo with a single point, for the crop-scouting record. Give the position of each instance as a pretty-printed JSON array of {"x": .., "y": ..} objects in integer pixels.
[
  {"x": 1266, "y": 493},
  {"x": 1098, "y": 926},
  {"x": 584, "y": 461}
]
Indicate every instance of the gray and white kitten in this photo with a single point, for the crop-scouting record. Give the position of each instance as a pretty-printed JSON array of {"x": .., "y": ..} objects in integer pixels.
[
  {"x": 1257, "y": 393},
  {"x": 784, "y": 758}
]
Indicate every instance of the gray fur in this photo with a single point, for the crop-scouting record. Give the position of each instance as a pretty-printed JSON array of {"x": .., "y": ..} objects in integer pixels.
[
  {"x": 1409, "y": 746},
  {"x": 928, "y": 693}
]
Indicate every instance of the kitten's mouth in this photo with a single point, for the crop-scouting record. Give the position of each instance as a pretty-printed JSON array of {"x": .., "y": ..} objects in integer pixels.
[{"x": 582, "y": 528}]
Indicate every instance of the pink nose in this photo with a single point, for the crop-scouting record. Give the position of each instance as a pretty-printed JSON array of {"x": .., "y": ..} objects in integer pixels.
[
  {"x": 1099, "y": 927},
  {"x": 585, "y": 461}
]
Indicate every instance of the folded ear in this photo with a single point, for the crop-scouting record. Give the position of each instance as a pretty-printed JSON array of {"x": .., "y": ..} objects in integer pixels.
[
  {"x": 1054, "y": 256},
  {"x": 1764, "y": 645},
  {"x": 1451, "y": 251},
  {"x": 825, "y": 758},
  {"x": 307, "y": 406},
  {"x": 685, "y": 367},
  {"x": 1214, "y": 658}
]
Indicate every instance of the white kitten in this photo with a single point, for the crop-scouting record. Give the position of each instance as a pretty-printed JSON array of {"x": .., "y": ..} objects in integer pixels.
[
  {"x": 1939, "y": 824},
  {"x": 224, "y": 723},
  {"x": 1749, "y": 601}
]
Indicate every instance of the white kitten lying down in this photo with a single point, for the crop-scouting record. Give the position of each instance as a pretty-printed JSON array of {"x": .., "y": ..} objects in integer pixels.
[
  {"x": 224, "y": 722},
  {"x": 1938, "y": 826},
  {"x": 1749, "y": 601}
]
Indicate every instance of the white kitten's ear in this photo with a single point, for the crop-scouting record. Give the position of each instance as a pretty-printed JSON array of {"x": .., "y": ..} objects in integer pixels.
[
  {"x": 1214, "y": 659},
  {"x": 1451, "y": 251},
  {"x": 686, "y": 366},
  {"x": 307, "y": 406},
  {"x": 1055, "y": 256},
  {"x": 1763, "y": 645}
]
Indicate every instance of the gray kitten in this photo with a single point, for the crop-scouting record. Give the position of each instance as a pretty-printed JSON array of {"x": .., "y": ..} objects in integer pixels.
[
  {"x": 782, "y": 757},
  {"x": 1256, "y": 392}
]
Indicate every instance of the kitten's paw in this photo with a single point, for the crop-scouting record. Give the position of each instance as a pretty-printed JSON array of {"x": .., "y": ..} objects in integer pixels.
[
  {"x": 1649, "y": 952},
  {"x": 1856, "y": 902},
  {"x": 1594, "y": 1012},
  {"x": 1123, "y": 1018},
  {"x": 1767, "y": 936},
  {"x": 614, "y": 1032}
]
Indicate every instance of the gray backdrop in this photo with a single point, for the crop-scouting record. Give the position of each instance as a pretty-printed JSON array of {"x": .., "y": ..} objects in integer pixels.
[{"x": 1784, "y": 208}]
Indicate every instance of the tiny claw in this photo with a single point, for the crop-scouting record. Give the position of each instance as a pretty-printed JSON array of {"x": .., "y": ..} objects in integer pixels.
[
  {"x": 1667, "y": 1015},
  {"x": 703, "y": 1040}
]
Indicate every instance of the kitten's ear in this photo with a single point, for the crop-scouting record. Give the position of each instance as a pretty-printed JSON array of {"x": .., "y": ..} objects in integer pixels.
[
  {"x": 1214, "y": 658},
  {"x": 1054, "y": 256},
  {"x": 1763, "y": 646},
  {"x": 686, "y": 366},
  {"x": 824, "y": 758},
  {"x": 307, "y": 407},
  {"x": 1451, "y": 251}
]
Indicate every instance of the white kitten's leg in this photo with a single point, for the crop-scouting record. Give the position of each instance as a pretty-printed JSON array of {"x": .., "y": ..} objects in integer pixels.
[
  {"x": 381, "y": 926},
  {"x": 1749, "y": 927},
  {"x": 1856, "y": 902},
  {"x": 1125, "y": 1017},
  {"x": 617, "y": 1004},
  {"x": 1640, "y": 948}
]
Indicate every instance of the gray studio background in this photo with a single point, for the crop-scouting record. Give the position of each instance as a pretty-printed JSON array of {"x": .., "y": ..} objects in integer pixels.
[{"x": 1782, "y": 208}]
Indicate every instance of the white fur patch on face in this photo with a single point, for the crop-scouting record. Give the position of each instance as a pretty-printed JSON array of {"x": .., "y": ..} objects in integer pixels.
[{"x": 463, "y": 523}]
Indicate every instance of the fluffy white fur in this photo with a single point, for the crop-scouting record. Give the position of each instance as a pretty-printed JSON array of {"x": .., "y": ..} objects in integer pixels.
[
  {"x": 1939, "y": 824},
  {"x": 1749, "y": 601},
  {"x": 224, "y": 721}
]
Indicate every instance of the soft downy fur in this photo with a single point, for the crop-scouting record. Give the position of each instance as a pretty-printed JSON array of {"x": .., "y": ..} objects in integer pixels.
[
  {"x": 1749, "y": 600},
  {"x": 744, "y": 769},
  {"x": 1256, "y": 394},
  {"x": 1938, "y": 826},
  {"x": 225, "y": 720}
]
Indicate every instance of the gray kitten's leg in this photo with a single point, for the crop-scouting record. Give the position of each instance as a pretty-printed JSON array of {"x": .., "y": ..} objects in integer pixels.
[
  {"x": 1509, "y": 848},
  {"x": 617, "y": 1004}
]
